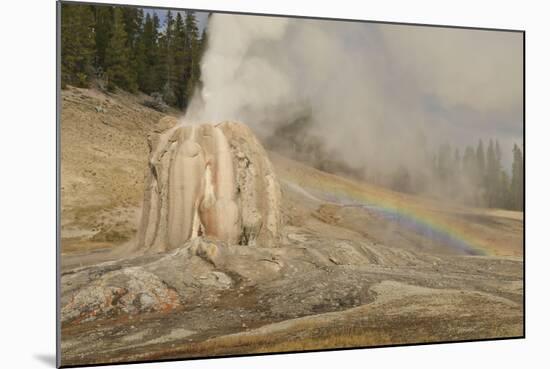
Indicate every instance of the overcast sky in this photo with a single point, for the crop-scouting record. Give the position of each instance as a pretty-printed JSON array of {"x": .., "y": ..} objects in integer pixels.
[{"x": 467, "y": 83}]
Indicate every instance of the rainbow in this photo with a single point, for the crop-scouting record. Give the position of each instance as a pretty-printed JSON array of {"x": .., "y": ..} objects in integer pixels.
[{"x": 421, "y": 217}]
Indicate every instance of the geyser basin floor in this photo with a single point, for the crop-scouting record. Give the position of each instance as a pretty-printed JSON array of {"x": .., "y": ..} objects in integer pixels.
[{"x": 342, "y": 276}]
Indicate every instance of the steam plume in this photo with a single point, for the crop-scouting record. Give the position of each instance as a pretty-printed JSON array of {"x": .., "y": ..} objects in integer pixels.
[{"x": 357, "y": 83}]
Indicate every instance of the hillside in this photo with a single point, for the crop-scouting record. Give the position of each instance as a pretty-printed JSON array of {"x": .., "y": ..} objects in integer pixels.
[{"x": 103, "y": 161}]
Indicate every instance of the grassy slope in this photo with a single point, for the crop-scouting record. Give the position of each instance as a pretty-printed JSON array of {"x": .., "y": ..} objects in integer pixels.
[
  {"x": 103, "y": 162},
  {"x": 498, "y": 232}
]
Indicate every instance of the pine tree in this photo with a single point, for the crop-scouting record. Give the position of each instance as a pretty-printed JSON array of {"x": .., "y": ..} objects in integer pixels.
[
  {"x": 133, "y": 19},
  {"x": 103, "y": 29},
  {"x": 480, "y": 159},
  {"x": 493, "y": 176},
  {"x": 77, "y": 45},
  {"x": 117, "y": 56},
  {"x": 166, "y": 62},
  {"x": 133, "y": 25},
  {"x": 156, "y": 65},
  {"x": 179, "y": 76},
  {"x": 516, "y": 186},
  {"x": 148, "y": 45},
  {"x": 503, "y": 180},
  {"x": 192, "y": 52},
  {"x": 504, "y": 196}
]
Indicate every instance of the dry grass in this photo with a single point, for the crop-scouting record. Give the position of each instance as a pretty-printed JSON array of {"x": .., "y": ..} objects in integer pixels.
[
  {"x": 70, "y": 245},
  {"x": 288, "y": 341},
  {"x": 104, "y": 155},
  {"x": 336, "y": 340}
]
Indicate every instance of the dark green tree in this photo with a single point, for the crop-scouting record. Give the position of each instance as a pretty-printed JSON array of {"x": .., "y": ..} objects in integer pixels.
[
  {"x": 133, "y": 21},
  {"x": 493, "y": 176},
  {"x": 133, "y": 25},
  {"x": 516, "y": 186},
  {"x": 166, "y": 60},
  {"x": 179, "y": 75},
  {"x": 480, "y": 160},
  {"x": 502, "y": 185},
  {"x": 192, "y": 54},
  {"x": 117, "y": 56},
  {"x": 148, "y": 61},
  {"x": 77, "y": 45},
  {"x": 103, "y": 29}
]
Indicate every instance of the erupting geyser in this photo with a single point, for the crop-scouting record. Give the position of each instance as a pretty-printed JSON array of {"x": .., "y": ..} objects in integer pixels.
[{"x": 209, "y": 180}]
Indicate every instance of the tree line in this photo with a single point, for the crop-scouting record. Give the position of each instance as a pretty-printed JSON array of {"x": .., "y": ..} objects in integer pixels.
[
  {"x": 475, "y": 177},
  {"x": 481, "y": 174},
  {"x": 126, "y": 48}
]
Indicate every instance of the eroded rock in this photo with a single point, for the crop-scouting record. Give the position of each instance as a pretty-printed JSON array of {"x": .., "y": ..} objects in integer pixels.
[
  {"x": 209, "y": 180},
  {"x": 128, "y": 291}
]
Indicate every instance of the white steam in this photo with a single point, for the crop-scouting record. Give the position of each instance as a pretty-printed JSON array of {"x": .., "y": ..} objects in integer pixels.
[{"x": 364, "y": 85}]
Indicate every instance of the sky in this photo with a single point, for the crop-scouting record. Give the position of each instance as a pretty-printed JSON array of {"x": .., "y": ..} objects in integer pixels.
[{"x": 200, "y": 16}]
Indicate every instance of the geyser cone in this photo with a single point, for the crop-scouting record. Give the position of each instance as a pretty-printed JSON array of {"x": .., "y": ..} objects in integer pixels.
[{"x": 209, "y": 180}]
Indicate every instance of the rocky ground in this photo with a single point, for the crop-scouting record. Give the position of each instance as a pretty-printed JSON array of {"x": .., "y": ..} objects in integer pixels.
[{"x": 341, "y": 276}]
